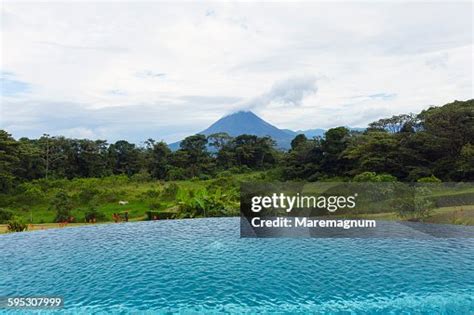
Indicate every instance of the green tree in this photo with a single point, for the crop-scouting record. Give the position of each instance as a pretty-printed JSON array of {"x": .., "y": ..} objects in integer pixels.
[
  {"x": 31, "y": 163},
  {"x": 158, "y": 156},
  {"x": 375, "y": 151},
  {"x": 447, "y": 129},
  {"x": 193, "y": 156},
  {"x": 298, "y": 141},
  {"x": 8, "y": 161},
  {"x": 91, "y": 158},
  {"x": 219, "y": 140},
  {"x": 395, "y": 123},
  {"x": 304, "y": 160},
  {"x": 333, "y": 146},
  {"x": 62, "y": 203},
  {"x": 465, "y": 164},
  {"x": 125, "y": 158},
  {"x": 253, "y": 152}
]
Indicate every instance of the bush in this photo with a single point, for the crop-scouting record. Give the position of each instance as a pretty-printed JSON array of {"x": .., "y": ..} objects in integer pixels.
[
  {"x": 224, "y": 174},
  {"x": 62, "y": 204},
  {"x": 159, "y": 215},
  {"x": 374, "y": 178},
  {"x": 16, "y": 224},
  {"x": 176, "y": 174},
  {"x": 5, "y": 215},
  {"x": 204, "y": 204},
  {"x": 274, "y": 174},
  {"x": 141, "y": 177},
  {"x": 31, "y": 194},
  {"x": 415, "y": 206},
  {"x": 204, "y": 177},
  {"x": 93, "y": 215},
  {"x": 430, "y": 179}
]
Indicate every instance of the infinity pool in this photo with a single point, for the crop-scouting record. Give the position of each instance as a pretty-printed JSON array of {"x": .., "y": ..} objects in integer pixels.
[{"x": 202, "y": 265}]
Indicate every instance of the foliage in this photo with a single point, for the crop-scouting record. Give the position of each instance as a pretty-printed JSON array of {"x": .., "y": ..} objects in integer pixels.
[
  {"x": 62, "y": 204},
  {"x": 170, "y": 191},
  {"x": 141, "y": 177},
  {"x": 157, "y": 156},
  {"x": 430, "y": 179},
  {"x": 417, "y": 206},
  {"x": 93, "y": 215},
  {"x": 8, "y": 161},
  {"x": 437, "y": 141},
  {"x": 372, "y": 177},
  {"x": 396, "y": 123},
  {"x": 465, "y": 164},
  {"x": 155, "y": 205},
  {"x": 159, "y": 215},
  {"x": 5, "y": 215},
  {"x": 58, "y": 177},
  {"x": 88, "y": 194},
  {"x": 16, "y": 224},
  {"x": 203, "y": 204}
]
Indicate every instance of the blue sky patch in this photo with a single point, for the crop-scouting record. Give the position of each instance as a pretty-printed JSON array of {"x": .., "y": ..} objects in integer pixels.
[{"x": 11, "y": 87}]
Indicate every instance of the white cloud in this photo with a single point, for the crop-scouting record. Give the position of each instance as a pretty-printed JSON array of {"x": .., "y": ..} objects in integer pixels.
[
  {"x": 299, "y": 65},
  {"x": 288, "y": 92}
]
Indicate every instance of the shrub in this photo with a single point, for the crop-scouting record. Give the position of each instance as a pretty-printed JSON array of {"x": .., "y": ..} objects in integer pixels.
[
  {"x": 16, "y": 224},
  {"x": 5, "y": 215},
  {"x": 274, "y": 174},
  {"x": 141, "y": 177},
  {"x": 93, "y": 214},
  {"x": 116, "y": 180},
  {"x": 203, "y": 204},
  {"x": 160, "y": 215},
  {"x": 176, "y": 174},
  {"x": 418, "y": 172},
  {"x": 415, "y": 206},
  {"x": 430, "y": 179},
  {"x": 224, "y": 174},
  {"x": 374, "y": 178},
  {"x": 62, "y": 204},
  {"x": 31, "y": 194},
  {"x": 204, "y": 177}
]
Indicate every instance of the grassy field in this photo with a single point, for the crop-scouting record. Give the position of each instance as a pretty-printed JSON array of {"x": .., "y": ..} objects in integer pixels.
[{"x": 36, "y": 202}]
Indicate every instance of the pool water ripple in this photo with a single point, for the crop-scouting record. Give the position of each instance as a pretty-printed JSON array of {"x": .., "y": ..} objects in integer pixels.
[{"x": 203, "y": 266}]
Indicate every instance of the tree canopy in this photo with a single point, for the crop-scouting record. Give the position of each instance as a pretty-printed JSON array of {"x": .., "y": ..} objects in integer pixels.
[{"x": 437, "y": 142}]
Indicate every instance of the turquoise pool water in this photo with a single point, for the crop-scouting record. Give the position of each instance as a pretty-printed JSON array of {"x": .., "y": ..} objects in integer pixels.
[{"x": 203, "y": 266}]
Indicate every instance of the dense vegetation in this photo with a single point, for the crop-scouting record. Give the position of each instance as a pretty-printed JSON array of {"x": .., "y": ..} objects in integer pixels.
[{"x": 437, "y": 143}]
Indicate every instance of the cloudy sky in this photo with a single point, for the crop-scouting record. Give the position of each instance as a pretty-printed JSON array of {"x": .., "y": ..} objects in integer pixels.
[{"x": 167, "y": 70}]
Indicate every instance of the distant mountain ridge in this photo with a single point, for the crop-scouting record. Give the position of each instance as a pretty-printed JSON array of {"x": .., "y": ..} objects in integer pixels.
[{"x": 246, "y": 122}]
